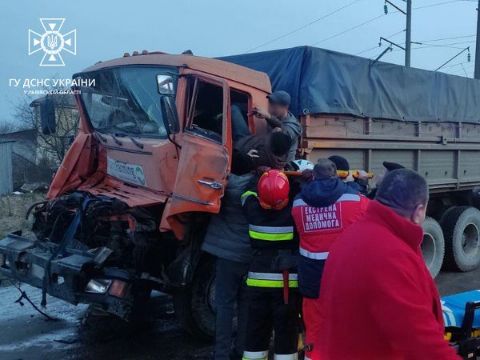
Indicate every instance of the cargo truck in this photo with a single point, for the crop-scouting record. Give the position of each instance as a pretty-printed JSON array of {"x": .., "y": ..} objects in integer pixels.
[{"x": 127, "y": 209}]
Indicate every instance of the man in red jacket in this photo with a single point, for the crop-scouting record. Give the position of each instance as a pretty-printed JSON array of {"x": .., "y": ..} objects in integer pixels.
[{"x": 378, "y": 298}]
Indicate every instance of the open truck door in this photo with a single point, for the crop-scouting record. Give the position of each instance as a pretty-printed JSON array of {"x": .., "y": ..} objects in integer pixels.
[{"x": 205, "y": 153}]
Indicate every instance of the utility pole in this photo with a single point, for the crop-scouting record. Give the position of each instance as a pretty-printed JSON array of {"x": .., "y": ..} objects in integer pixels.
[
  {"x": 408, "y": 34},
  {"x": 477, "y": 47},
  {"x": 408, "y": 29}
]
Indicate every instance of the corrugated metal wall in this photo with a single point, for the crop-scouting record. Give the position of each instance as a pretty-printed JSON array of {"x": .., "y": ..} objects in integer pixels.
[{"x": 6, "y": 181}]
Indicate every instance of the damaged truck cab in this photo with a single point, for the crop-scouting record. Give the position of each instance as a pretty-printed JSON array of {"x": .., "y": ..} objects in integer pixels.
[{"x": 128, "y": 206}]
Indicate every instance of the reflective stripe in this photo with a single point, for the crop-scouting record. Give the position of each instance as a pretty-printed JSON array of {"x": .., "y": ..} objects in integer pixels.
[
  {"x": 299, "y": 202},
  {"x": 271, "y": 283},
  {"x": 270, "y": 276},
  {"x": 270, "y": 237},
  {"x": 344, "y": 197},
  {"x": 271, "y": 229},
  {"x": 285, "y": 356},
  {"x": 349, "y": 197},
  {"x": 255, "y": 355},
  {"x": 314, "y": 255},
  {"x": 246, "y": 194}
]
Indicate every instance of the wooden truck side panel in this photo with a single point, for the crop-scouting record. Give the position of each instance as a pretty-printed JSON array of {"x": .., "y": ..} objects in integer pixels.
[{"x": 446, "y": 154}]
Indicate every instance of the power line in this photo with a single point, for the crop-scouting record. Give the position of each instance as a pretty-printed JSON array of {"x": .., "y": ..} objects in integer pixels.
[
  {"x": 448, "y": 38},
  {"x": 439, "y": 4},
  {"x": 378, "y": 17},
  {"x": 348, "y": 30},
  {"x": 396, "y": 33},
  {"x": 303, "y": 26},
  {"x": 367, "y": 50},
  {"x": 457, "y": 64},
  {"x": 376, "y": 47}
]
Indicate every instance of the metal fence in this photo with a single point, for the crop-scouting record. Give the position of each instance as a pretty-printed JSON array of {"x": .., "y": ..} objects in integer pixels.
[{"x": 6, "y": 179}]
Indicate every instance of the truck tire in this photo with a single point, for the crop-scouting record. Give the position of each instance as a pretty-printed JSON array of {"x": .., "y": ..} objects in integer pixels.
[
  {"x": 433, "y": 246},
  {"x": 194, "y": 305},
  {"x": 461, "y": 228}
]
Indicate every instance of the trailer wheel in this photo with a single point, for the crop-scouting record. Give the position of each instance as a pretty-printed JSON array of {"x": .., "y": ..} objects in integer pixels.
[
  {"x": 433, "y": 246},
  {"x": 194, "y": 305},
  {"x": 461, "y": 227}
]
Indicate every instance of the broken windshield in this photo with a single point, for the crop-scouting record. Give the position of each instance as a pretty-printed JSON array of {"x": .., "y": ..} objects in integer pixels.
[{"x": 126, "y": 100}]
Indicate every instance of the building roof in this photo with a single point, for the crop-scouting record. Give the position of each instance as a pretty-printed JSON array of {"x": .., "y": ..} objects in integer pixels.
[
  {"x": 62, "y": 100},
  {"x": 25, "y": 135}
]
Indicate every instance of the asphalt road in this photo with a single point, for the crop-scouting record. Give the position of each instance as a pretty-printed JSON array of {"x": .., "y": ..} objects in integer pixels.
[{"x": 25, "y": 334}]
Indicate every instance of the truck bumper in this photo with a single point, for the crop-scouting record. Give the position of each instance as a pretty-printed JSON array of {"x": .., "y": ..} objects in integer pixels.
[{"x": 73, "y": 277}]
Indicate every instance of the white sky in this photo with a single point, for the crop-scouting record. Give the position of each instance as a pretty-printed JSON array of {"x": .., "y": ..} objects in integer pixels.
[{"x": 107, "y": 28}]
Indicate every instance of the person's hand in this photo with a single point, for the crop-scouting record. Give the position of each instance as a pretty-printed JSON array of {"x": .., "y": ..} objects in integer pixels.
[
  {"x": 253, "y": 153},
  {"x": 277, "y": 129},
  {"x": 260, "y": 113}
]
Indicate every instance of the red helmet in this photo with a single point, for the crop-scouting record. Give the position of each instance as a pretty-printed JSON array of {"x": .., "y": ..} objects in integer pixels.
[{"x": 273, "y": 190}]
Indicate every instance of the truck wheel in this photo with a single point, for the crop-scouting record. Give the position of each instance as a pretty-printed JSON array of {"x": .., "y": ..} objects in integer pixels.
[
  {"x": 194, "y": 305},
  {"x": 433, "y": 246},
  {"x": 461, "y": 227}
]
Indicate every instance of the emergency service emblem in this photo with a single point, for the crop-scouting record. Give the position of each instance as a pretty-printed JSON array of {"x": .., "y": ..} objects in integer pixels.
[{"x": 52, "y": 42}]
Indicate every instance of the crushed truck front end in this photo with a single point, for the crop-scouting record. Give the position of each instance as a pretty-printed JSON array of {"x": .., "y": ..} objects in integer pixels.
[{"x": 127, "y": 209}]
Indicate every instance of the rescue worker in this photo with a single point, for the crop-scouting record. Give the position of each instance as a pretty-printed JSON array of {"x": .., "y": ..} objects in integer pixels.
[
  {"x": 378, "y": 298},
  {"x": 227, "y": 239},
  {"x": 322, "y": 211},
  {"x": 359, "y": 183},
  {"x": 272, "y": 279},
  {"x": 279, "y": 118}
]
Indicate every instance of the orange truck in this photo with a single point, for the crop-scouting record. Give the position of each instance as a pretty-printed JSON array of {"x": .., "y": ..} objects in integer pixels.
[{"x": 128, "y": 207}]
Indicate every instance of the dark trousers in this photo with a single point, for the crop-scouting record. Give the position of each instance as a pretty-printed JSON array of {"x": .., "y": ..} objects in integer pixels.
[
  {"x": 230, "y": 294},
  {"x": 267, "y": 312}
]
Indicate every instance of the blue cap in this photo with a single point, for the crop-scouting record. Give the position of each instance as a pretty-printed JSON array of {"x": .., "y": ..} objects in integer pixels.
[{"x": 279, "y": 97}]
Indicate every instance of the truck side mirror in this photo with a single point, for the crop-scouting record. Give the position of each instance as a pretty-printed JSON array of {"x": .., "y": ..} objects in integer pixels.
[
  {"x": 169, "y": 114},
  {"x": 47, "y": 116}
]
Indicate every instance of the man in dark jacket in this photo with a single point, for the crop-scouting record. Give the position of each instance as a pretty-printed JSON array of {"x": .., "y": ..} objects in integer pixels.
[
  {"x": 279, "y": 118},
  {"x": 227, "y": 239},
  {"x": 323, "y": 210},
  {"x": 378, "y": 298}
]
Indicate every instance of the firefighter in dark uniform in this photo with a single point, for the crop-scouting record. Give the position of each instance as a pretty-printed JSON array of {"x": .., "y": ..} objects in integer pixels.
[{"x": 273, "y": 301}]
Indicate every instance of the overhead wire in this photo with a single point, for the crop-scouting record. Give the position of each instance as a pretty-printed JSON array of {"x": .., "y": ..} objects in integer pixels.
[
  {"x": 439, "y": 4},
  {"x": 378, "y": 17},
  {"x": 303, "y": 26},
  {"x": 349, "y": 29}
]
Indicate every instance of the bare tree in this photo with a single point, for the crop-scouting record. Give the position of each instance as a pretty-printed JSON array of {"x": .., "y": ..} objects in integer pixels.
[
  {"x": 55, "y": 145},
  {"x": 7, "y": 127}
]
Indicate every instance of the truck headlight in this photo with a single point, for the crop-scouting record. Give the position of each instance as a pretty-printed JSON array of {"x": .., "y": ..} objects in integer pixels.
[{"x": 98, "y": 286}]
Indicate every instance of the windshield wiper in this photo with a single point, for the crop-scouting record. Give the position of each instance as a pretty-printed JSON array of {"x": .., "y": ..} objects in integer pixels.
[
  {"x": 118, "y": 142},
  {"x": 101, "y": 137},
  {"x": 135, "y": 141}
]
